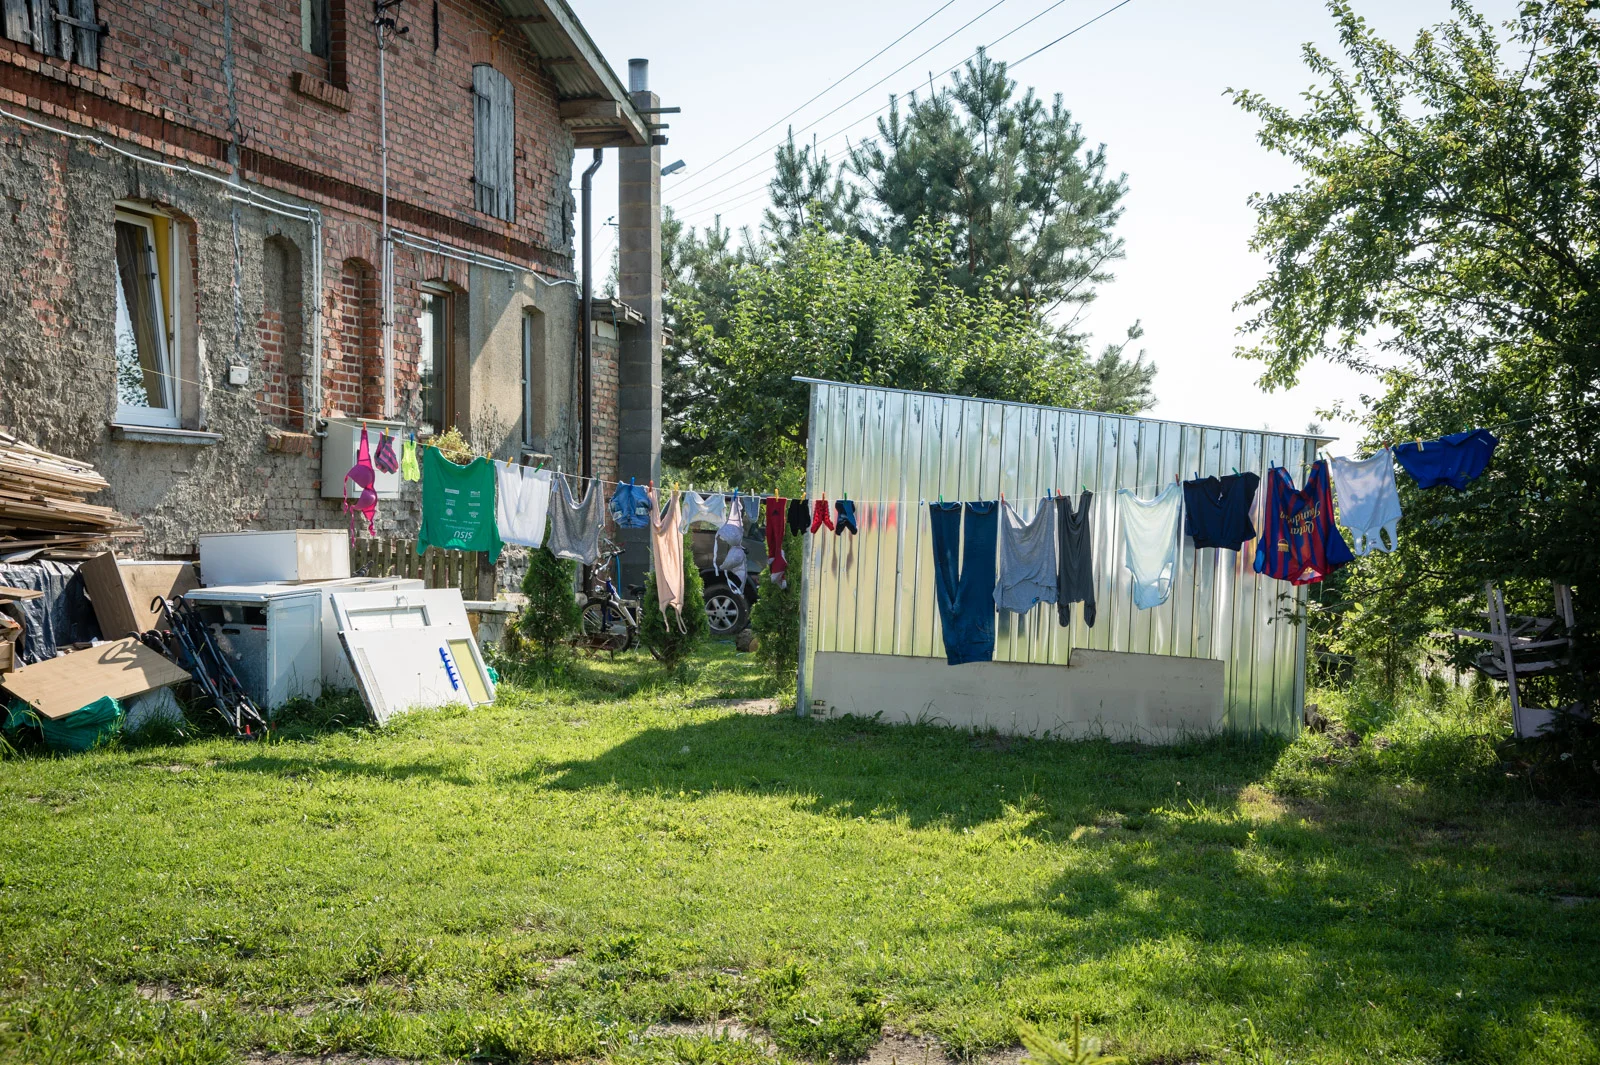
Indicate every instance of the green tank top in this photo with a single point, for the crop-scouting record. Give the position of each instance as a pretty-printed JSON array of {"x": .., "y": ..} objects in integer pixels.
[{"x": 458, "y": 505}]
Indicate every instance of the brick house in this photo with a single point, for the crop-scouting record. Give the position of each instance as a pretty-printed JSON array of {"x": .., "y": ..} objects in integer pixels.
[{"x": 194, "y": 201}]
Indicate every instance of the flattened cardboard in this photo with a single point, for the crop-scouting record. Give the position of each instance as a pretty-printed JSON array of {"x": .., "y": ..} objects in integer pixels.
[
  {"x": 121, "y": 592},
  {"x": 121, "y": 668}
]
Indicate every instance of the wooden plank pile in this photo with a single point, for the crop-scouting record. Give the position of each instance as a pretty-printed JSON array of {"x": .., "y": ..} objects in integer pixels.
[{"x": 43, "y": 508}]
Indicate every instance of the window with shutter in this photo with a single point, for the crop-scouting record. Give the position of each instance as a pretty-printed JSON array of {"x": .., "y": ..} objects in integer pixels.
[
  {"x": 494, "y": 162},
  {"x": 66, "y": 29}
]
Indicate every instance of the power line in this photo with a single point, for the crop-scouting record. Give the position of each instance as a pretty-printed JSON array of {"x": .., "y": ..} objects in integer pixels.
[
  {"x": 1069, "y": 33},
  {"x": 830, "y": 88},
  {"x": 763, "y": 154},
  {"x": 1015, "y": 29}
]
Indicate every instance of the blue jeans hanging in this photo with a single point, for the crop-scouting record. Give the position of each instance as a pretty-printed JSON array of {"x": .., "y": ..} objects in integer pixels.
[{"x": 965, "y": 594}]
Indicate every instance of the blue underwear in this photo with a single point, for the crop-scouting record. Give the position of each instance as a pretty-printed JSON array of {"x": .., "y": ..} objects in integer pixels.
[
  {"x": 1453, "y": 460},
  {"x": 844, "y": 516}
]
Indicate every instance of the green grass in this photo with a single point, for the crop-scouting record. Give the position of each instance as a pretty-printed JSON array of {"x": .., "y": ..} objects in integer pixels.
[{"x": 542, "y": 880}]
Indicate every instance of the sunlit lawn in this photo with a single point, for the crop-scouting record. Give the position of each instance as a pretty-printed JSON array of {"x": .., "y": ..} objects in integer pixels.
[{"x": 544, "y": 879}]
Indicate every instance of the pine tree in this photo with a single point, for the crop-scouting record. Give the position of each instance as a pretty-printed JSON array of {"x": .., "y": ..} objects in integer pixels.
[
  {"x": 552, "y": 613},
  {"x": 1030, "y": 206}
]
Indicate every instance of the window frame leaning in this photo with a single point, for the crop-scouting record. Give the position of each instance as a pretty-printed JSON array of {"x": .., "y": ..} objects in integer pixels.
[
  {"x": 494, "y": 143},
  {"x": 161, "y": 294}
]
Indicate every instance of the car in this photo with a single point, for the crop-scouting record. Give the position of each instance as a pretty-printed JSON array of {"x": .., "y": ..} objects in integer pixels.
[{"x": 728, "y": 600}]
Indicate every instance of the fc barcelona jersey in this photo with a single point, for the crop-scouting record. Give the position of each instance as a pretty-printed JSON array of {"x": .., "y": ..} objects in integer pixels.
[{"x": 1299, "y": 541}]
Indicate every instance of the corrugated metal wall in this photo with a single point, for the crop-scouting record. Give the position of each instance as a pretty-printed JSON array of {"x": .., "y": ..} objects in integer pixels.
[{"x": 890, "y": 450}]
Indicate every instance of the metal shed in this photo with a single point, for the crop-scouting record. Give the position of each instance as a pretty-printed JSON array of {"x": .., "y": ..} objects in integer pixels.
[{"x": 1225, "y": 652}]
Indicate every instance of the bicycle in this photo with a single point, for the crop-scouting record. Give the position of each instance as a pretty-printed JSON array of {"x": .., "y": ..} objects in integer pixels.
[{"x": 610, "y": 622}]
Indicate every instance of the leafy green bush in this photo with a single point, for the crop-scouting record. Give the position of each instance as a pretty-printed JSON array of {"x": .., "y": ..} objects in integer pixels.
[
  {"x": 672, "y": 638},
  {"x": 552, "y": 613}
]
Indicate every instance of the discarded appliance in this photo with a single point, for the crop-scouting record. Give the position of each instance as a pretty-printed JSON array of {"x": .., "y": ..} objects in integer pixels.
[
  {"x": 411, "y": 650},
  {"x": 339, "y": 449},
  {"x": 122, "y": 591},
  {"x": 119, "y": 669},
  {"x": 288, "y": 555},
  {"x": 336, "y": 671},
  {"x": 270, "y": 636}
]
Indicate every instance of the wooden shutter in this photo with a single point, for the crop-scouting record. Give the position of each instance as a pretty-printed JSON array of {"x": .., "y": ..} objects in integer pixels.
[
  {"x": 494, "y": 162},
  {"x": 17, "y": 28},
  {"x": 87, "y": 31},
  {"x": 66, "y": 40},
  {"x": 43, "y": 18}
]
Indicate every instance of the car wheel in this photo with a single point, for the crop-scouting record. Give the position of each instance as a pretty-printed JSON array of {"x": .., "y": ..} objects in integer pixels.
[{"x": 726, "y": 610}]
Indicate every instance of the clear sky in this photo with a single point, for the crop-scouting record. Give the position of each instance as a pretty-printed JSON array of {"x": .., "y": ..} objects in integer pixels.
[{"x": 1147, "y": 80}]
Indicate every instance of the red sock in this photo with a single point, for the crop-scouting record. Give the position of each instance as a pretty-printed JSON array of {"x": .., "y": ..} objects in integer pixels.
[
  {"x": 820, "y": 515},
  {"x": 775, "y": 528}
]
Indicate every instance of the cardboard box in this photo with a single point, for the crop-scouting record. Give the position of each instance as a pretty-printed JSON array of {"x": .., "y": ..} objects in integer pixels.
[
  {"x": 122, "y": 668},
  {"x": 122, "y": 591}
]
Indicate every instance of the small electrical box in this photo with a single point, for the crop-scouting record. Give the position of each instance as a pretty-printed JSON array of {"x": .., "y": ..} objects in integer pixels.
[
  {"x": 339, "y": 450},
  {"x": 238, "y": 375}
]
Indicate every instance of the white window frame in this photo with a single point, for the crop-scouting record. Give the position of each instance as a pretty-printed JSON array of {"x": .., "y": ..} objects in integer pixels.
[{"x": 167, "y": 336}]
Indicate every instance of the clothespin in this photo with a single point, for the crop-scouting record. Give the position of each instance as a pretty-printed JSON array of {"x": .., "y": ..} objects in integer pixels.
[
  {"x": 1419, "y": 443},
  {"x": 1085, "y": 488},
  {"x": 1235, "y": 470}
]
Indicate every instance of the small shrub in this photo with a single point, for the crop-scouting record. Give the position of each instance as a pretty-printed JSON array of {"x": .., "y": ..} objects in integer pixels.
[
  {"x": 775, "y": 617},
  {"x": 663, "y": 636},
  {"x": 552, "y": 613}
]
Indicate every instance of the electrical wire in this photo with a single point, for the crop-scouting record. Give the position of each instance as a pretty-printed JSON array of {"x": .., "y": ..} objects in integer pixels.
[
  {"x": 830, "y": 88},
  {"x": 853, "y": 99},
  {"x": 879, "y": 110}
]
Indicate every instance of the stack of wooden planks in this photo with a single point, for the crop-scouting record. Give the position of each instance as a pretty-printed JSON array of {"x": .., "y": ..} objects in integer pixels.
[{"x": 43, "y": 509}]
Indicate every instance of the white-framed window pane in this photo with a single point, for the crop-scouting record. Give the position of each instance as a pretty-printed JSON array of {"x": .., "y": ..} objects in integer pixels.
[
  {"x": 145, "y": 385},
  {"x": 431, "y": 362}
]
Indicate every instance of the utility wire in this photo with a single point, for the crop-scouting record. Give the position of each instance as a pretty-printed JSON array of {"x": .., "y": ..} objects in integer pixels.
[
  {"x": 830, "y": 88},
  {"x": 942, "y": 74},
  {"x": 763, "y": 154}
]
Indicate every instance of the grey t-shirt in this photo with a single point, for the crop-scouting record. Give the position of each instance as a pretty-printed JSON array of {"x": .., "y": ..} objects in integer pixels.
[
  {"x": 1027, "y": 559},
  {"x": 575, "y": 527}
]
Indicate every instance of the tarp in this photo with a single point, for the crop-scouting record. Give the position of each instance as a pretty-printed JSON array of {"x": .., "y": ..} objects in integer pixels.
[
  {"x": 59, "y": 618},
  {"x": 81, "y": 730}
]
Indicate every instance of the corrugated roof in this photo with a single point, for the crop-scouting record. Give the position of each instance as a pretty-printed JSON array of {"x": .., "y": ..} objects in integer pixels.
[{"x": 594, "y": 101}]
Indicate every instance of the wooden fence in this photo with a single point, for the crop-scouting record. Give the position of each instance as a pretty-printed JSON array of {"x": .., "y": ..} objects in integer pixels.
[{"x": 470, "y": 571}]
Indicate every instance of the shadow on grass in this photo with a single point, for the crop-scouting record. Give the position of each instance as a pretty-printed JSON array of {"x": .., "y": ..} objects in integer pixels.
[{"x": 853, "y": 767}]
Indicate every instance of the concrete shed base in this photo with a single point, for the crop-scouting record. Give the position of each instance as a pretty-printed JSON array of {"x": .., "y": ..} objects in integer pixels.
[{"x": 1111, "y": 694}]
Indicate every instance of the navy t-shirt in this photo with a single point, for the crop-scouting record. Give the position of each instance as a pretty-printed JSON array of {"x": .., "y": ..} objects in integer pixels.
[{"x": 1216, "y": 512}]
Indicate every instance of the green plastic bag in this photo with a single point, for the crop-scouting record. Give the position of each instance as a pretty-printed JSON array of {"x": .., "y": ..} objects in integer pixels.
[{"x": 83, "y": 729}]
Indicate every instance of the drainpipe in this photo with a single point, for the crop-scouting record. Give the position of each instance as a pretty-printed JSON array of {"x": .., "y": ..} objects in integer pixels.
[{"x": 586, "y": 369}]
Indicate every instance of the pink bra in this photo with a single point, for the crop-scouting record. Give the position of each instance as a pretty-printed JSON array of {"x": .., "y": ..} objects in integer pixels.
[{"x": 365, "y": 476}]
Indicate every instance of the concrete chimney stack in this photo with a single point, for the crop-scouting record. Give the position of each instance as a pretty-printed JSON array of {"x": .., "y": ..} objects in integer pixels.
[{"x": 639, "y": 286}]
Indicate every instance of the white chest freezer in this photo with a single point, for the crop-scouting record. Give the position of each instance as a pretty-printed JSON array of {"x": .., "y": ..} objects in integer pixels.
[
  {"x": 271, "y": 636},
  {"x": 282, "y": 555}
]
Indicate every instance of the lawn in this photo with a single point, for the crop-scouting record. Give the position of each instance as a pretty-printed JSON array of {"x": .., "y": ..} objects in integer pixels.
[{"x": 555, "y": 877}]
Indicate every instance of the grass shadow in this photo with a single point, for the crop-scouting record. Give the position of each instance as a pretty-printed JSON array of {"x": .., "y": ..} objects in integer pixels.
[{"x": 928, "y": 774}]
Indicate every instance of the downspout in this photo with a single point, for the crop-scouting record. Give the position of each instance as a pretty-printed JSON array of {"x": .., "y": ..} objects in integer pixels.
[
  {"x": 384, "y": 22},
  {"x": 586, "y": 365}
]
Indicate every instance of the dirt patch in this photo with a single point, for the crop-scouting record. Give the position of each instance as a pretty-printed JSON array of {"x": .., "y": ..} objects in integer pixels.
[
  {"x": 163, "y": 993},
  {"x": 897, "y": 1048},
  {"x": 175, "y": 767},
  {"x": 1573, "y": 900},
  {"x": 260, "y": 1057},
  {"x": 742, "y": 706},
  {"x": 725, "y": 1030}
]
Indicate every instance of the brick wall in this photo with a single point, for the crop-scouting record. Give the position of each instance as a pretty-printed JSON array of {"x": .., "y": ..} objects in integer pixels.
[
  {"x": 161, "y": 81},
  {"x": 160, "y": 90}
]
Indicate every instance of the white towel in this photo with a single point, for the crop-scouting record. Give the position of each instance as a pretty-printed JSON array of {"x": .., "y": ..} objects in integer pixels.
[{"x": 521, "y": 503}]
